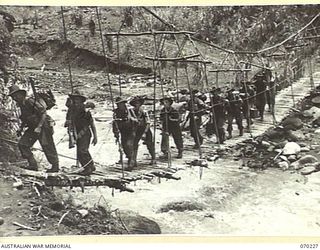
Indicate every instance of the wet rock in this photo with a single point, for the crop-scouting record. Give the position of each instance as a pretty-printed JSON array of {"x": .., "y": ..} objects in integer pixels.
[
  {"x": 265, "y": 144},
  {"x": 305, "y": 149},
  {"x": 283, "y": 158},
  {"x": 56, "y": 206},
  {"x": 308, "y": 170},
  {"x": 292, "y": 158},
  {"x": 302, "y": 144},
  {"x": 181, "y": 206},
  {"x": 292, "y": 123},
  {"x": 295, "y": 135},
  {"x": 83, "y": 212},
  {"x": 307, "y": 113},
  {"x": 213, "y": 158},
  {"x": 307, "y": 159},
  {"x": 18, "y": 185},
  {"x": 137, "y": 224},
  {"x": 283, "y": 165},
  {"x": 315, "y": 111},
  {"x": 291, "y": 148}
]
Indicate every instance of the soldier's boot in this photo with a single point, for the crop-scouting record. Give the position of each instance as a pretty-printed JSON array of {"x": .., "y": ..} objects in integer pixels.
[
  {"x": 229, "y": 134},
  {"x": 241, "y": 132},
  {"x": 164, "y": 155},
  {"x": 130, "y": 164},
  {"x": 153, "y": 157},
  {"x": 180, "y": 153},
  {"x": 88, "y": 170},
  {"x": 33, "y": 165},
  {"x": 53, "y": 169}
]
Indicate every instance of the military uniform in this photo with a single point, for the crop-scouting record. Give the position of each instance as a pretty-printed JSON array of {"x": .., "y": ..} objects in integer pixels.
[
  {"x": 195, "y": 116},
  {"x": 247, "y": 94},
  {"x": 261, "y": 87},
  {"x": 218, "y": 114},
  {"x": 125, "y": 124},
  {"x": 234, "y": 111},
  {"x": 32, "y": 112},
  {"x": 143, "y": 127},
  {"x": 82, "y": 123},
  {"x": 170, "y": 119}
]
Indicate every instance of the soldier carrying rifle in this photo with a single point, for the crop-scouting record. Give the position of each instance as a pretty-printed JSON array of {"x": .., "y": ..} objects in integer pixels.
[
  {"x": 39, "y": 128},
  {"x": 124, "y": 129},
  {"x": 81, "y": 127}
]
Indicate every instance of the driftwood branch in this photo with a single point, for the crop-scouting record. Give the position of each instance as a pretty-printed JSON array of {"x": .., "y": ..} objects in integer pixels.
[
  {"x": 149, "y": 33},
  {"x": 62, "y": 217},
  {"x": 24, "y": 226},
  {"x": 171, "y": 59}
]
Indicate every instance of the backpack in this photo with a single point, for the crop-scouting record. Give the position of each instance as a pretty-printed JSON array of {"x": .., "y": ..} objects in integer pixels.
[{"x": 47, "y": 96}]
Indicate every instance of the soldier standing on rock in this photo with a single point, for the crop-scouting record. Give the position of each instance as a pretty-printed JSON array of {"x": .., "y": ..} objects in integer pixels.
[
  {"x": 84, "y": 126},
  {"x": 143, "y": 127},
  {"x": 170, "y": 119},
  {"x": 40, "y": 128},
  {"x": 125, "y": 125}
]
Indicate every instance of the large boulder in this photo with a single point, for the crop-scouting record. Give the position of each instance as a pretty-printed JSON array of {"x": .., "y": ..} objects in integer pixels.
[
  {"x": 313, "y": 112},
  {"x": 137, "y": 224},
  {"x": 292, "y": 123},
  {"x": 304, "y": 160},
  {"x": 291, "y": 148}
]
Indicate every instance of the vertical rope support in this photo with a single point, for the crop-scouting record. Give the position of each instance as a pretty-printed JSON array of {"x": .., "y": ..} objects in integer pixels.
[
  {"x": 68, "y": 56},
  {"x": 288, "y": 79},
  {"x": 311, "y": 72},
  {"x": 118, "y": 55},
  {"x": 213, "y": 112},
  {"x": 192, "y": 110},
  {"x": 176, "y": 76},
  {"x": 69, "y": 68},
  {"x": 217, "y": 79},
  {"x": 105, "y": 58},
  {"x": 109, "y": 82},
  {"x": 155, "y": 67}
]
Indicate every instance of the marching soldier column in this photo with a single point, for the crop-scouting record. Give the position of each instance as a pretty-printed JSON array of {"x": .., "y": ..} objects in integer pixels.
[{"x": 131, "y": 123}]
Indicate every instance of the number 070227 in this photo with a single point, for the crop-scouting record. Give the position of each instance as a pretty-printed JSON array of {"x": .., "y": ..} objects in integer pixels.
[{"x": 309, "y": 246}]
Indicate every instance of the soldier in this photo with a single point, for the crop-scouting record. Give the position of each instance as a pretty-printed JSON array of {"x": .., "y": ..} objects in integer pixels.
[
  {"x": 196, "y": 108},
  {"x": 84, "y": 128},
  {"x": 125, "y": 125},
  {"x": 92, "y": 27},
  {"x": 170, "y": 119},
  {"x": 247, "y": 94},
  {"x": 39, "y": 128},
  {"x": 218, "y": 114},
  {"x": 261, "y": 86},
  {"x": 143, "y": 127},
  {"x": 234, "y": 109}
]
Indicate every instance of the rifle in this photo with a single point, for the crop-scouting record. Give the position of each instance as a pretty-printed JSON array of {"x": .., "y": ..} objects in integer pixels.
[{"x": 70, "y": 126}]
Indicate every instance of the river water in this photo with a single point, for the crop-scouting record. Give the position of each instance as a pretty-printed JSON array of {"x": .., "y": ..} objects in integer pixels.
[{"x": 233, "y": 201}]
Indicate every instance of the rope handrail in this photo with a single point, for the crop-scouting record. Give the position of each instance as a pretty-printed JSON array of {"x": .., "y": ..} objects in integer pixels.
[{"x": 233, "y": 51}]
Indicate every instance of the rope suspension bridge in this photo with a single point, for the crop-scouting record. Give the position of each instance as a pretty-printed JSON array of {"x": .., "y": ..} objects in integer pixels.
[{"x": 234, "y": 62}]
